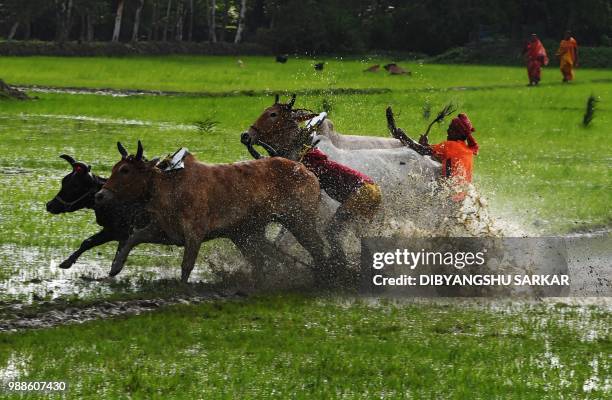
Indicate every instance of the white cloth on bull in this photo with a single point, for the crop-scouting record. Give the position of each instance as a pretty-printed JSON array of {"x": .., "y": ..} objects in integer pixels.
[
  {"x": 316, "y": 121},
  {"x": 175, "y": 161}
]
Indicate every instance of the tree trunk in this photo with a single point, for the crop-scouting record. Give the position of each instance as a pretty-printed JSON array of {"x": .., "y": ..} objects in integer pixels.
[
  {"x": 137, "y": 20},
  {"x": 28, "y": 28},
  {"x": 90, "y": 27},
  {"x": 83, "y": 28},
  {"x": 13, "y": 30},
  {"x": 118, "y": 18},
  {"x": 152, "y": 31},
  {"x": 179, "y": 20},
  {"x": 190, "y": 32},
  {"x": 68, "y": 24},
  {"x": 212, "y": 28},
  {"x": 63, "y": 15},
  {"x": 240, "y": 28},
  {"x": 166, "y": 22},
  {"x": 59, "y": 19},
  {"x": 226, "y": 6}
]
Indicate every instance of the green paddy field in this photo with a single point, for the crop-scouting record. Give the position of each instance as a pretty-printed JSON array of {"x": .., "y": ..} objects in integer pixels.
[{"x": 540, "y": 169}]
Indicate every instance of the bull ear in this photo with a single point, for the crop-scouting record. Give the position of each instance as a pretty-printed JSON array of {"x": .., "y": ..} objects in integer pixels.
[
  {"x": 291, "y": 102},
  {"x": 276, "y": 98},
  {"x": 122, "y": 150},
  {"x": 70, "y": 160},
  {"x": 140, "y": 151}
]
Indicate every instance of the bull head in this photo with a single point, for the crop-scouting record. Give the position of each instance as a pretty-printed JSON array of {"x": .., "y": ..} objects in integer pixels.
[
  {"x": 277, "y": 129},
  {"x": 130, "y": 178},
  {"x": 77, "y": 188}
]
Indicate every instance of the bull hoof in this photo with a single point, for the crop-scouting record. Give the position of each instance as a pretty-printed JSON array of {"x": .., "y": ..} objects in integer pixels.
[
  {"x": 114, "y": 271},
  {"x": 66, "y": 264}
]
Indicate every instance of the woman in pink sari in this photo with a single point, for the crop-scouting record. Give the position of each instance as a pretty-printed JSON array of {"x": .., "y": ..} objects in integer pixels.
[{"x": 536, "y": 58}]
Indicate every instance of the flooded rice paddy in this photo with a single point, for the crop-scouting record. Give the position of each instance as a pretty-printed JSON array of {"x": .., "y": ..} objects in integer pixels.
[{"x": 34, "y": 242}]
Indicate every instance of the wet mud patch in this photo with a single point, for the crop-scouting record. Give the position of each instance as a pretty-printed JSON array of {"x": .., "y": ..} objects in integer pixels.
[
  {"x": 338, "y": 91},
  {"x": 232, "y": 93},
  {"x": 15, "y": 171},
  {"x": 36, "y": 293},
  {"x": 16, "y": 317}
]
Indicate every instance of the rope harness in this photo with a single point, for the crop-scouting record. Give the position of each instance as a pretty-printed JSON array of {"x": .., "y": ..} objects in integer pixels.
[{"x": 70, "y": 204}]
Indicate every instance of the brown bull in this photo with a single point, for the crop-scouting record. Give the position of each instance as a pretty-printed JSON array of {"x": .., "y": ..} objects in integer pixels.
[
  {"x": 278, "y": 130},
  {"x": 203, "y": 202}
]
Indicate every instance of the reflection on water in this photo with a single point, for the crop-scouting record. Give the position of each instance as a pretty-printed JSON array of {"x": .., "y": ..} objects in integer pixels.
[
  {"x": 14, "y": 369},
  {"x": 29, "y": 274},
  {"x": 106, "y": 121}
]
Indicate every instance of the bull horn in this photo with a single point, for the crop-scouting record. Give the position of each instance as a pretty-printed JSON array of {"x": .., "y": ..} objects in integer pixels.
[
  {"x": 140, "y": 151},
  {"x": 276, "y": 98},
  {"x": 122, "y": 150},
  {"x": 291, "y": 102},
  {"x": 68, "y": 158}
]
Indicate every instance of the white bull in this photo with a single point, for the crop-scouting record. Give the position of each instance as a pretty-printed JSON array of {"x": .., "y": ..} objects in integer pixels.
[
  {"x": 386, "y": 160},
  {"x": 407, "y": 179},
  {"x": 355, "y": 142}
]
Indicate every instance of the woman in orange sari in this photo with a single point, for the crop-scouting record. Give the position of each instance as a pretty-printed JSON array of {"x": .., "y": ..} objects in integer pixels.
[
  {"x": 536, "y": 58},
  {"x": 568, "y": 56}
]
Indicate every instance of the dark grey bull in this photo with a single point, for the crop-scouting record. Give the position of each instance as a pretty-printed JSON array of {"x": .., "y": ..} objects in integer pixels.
[{"x": 77, "y": 193}]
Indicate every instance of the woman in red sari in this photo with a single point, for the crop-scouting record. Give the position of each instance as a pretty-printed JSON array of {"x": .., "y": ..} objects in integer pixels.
[{"x": 536, "y": 58}]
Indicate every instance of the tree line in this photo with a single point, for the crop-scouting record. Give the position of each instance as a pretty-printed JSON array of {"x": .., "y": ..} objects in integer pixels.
[{"x": 307, "y": 26}]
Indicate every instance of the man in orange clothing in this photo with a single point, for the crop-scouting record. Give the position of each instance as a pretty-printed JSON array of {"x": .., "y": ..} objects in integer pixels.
[
  {"x": 568, "y": 56},
  {"x": 456, "y": 153}
]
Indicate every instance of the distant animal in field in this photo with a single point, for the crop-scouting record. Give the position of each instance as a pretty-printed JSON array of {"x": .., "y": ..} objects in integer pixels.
[
  {"x": 9, "y": 92},
  {"x": 589, "y": 114},
  {"x": 77, "y": 192},
  {"x": 240, "y": 63},
  {"x": 319, "y": 66},
  {"x": 373, "y": 68},
  {"x": 395, "y": 69},
  {"x": 282, "y": 59},
  {"x": 202, "y": 201}
]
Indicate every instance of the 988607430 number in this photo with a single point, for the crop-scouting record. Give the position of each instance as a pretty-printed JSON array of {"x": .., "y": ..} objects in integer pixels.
[{"x": 36, "y": 386}]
